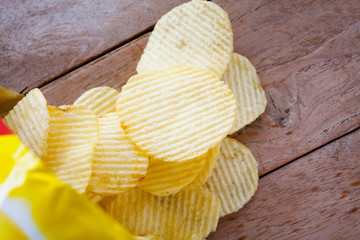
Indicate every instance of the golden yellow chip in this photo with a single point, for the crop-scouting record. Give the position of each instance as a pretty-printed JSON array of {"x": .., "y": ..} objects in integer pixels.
[
  {"x": 148, "y": 237},
  {"x": 206, "y": 171},
  {"x": 72, "y": 138},
  {"x": 235, "y": 176},
  {"x": 191, "y": 214},
  {"x": 118, "y": 163},
  {"x": 250, "y": 97},
  {"x": 93, "y": 196},
  {"x": 165, "y": 178},
  {"x": 177, "y": 113},
  {"x": 100, "y": 100},
  {"x": 29, "y": 119},
  {"x": 197, "y": 33}
]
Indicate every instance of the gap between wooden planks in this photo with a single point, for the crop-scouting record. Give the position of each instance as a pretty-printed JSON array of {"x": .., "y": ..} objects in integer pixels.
[
  {"x": 314, "y": 197},
  {"x": 312, "y": 87},
  {"x": 44, "y": 39}
]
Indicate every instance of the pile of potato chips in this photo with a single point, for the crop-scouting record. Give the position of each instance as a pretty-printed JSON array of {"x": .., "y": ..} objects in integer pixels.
[{"x": 156, "y": 156}]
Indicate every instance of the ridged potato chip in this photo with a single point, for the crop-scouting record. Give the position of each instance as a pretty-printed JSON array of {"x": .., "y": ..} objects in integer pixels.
[
  {"x": 165, "y": 178},
  {"x": 100, "y": 100},
  {"x": 191, "y": 214},
  {"x": 93, "y": 196},
  {"x": 29, "y": 119},
  {"x": 72, "y": 138},
  {"x": 235, "y": 176},
  {"x": 118, "y": 163},
  {"x": 250, "y": 97},
  {"x": 197, "y": 33},
  {"x": 206, "y": 171},
  {"x": 177, "y": 113}
]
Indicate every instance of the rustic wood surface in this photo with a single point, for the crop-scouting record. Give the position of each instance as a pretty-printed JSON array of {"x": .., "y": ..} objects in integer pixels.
[
  {"x": 315, "y": 197},
  {"x": 41, "y": 40},
  {"x": 307, "y": 54}
]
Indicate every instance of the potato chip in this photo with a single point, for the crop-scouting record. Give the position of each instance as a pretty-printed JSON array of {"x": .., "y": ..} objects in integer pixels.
[
  {"x": 177, "y": 113},
  {"x": 206, "y": 171},
  {"x": 29, "y": 119},
  {"x": 250, "y": 97},
  {"x": 93, "y": 196},
  {"x": 191, "y": 214},
  {"x": 148, "y": 237},
  {"x": 235, "y": 176},
  {"x": 118, "y": 163},
  {"x": 165, "y": 178},
  {"x": 72, "y": 138},
  {"x": 100, "y": 100},
  {"x": 197, "y": 33}
]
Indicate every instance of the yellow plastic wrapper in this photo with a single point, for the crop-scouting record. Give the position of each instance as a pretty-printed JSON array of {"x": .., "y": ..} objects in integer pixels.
[{"x": 34, "y": 204}]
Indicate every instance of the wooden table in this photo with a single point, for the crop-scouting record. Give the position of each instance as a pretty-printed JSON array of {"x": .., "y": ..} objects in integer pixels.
[{"x": 307, "y": 53}]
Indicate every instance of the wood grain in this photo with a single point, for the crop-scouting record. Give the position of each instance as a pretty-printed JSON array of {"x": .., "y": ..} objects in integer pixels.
[
  {"x": 275, "y": 32},
  {"x": 41, "y": 40},
  {"x": 113, "y": 69},
  {"x": 315, "y": 197},
  {"x": 312, "y": 99}
]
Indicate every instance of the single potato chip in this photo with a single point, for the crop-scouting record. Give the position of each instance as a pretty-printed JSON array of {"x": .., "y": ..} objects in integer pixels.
[
  {"x": 165, "y": 178},
  {"x": 118, "y": 163},
  {"x": 29, "y": 119},
  {"x": 93, "y": 196},
  {"x": 177, "y": 113},
  {"x": 191, "y": 214},
  {"x": 206, "y": 171},
  {"x": 250, "y": 97},
  {"x": 100, "y": 100},
  {"x": 235, "y": 177},
  {"x": 72, "y": 138},
  {"x": 197, "y": 33}
]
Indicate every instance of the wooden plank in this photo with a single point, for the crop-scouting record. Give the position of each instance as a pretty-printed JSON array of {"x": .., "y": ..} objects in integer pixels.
[
  {"x": 313, "y": 98},
  {"x": 41, "y": 40},
  {"x": 314, "y": 197},
  {"x": 275, "y": 32},
  {"x": 113, "y": 69}
]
